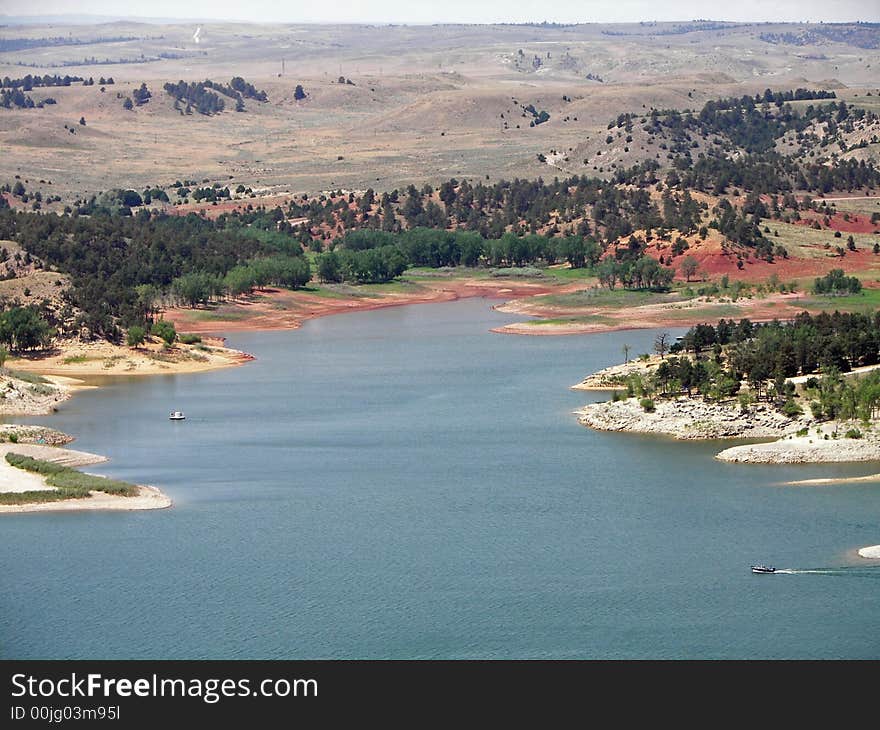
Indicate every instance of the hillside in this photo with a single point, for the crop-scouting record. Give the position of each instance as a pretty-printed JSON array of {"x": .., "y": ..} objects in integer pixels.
[{"x": 425, "y": 103}]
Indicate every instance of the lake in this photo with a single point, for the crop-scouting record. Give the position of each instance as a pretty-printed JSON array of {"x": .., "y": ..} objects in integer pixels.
[{"x": 403, "y": 483}]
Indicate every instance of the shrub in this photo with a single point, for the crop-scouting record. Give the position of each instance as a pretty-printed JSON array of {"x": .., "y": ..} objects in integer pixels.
[
  {"x": 647, "y": 405},
  {"x": 165, "y": 330},
  {"x": 188, "y": 338},
  {"x": 853, "y": 433},
  {"x": 791, "y": 408}
]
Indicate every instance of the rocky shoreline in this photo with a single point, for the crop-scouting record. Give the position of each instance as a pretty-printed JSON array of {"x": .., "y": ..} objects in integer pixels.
[
  {"x": 828, "y": 446},
  {"x": 614, "y": 377},
  {"x": 25, "y": 394},
  {"x": 799, "y": 440},
  {"x": 688, "y": 418}
]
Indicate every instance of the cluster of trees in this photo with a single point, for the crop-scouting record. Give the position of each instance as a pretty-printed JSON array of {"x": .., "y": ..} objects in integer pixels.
[
  {"x": 643, "y": 272},
  {"x": 833, "y": 397},
  {"x": 746, "y": 122},
  {"x": 237, "y": 89},
  {"x": 196, "y": 95},
  {"x": 538, "y": 117},
  {"x": 26, "y": 83},
  {"x": 248, "y": 91},
  {"x": 211, "y": 193},
  {"x": 193, "y": 289},
  {"x": 365, "y": 266},
  {"x": 121, "y": 264},
  {"x": 10, "y": 98},
  {"x": 807, "y": 344},
  {"x": 836, "y": 283},
  {"x": 765, "y": 356},
  {"x": 201, "y": 97},
  {"x": 24, "y": 328},
  {"x": 141, "y": 95},
  {"x": 435, "y": 248}
]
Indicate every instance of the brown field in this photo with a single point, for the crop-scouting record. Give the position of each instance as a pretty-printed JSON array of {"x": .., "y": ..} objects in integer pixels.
[{"x": 426, "y": 104}]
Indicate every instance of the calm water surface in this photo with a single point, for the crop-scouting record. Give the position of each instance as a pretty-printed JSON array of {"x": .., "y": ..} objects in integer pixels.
[{"x": 404, "y": 483}]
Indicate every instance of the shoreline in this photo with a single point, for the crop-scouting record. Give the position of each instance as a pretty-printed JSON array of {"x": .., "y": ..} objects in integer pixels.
[
  {"x": 277, "y": 309},
  {"x": 685, "y": 419},
  {"x": 68, "y": 364},
  {"x": 14, "y": 480}
]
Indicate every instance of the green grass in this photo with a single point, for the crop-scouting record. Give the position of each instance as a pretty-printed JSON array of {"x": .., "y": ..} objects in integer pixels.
[
  {"x": 75, "y": 359},
  {"x": 866, "y": 300},
  {"x": 862, "y": 207},
  {"x": 709, "y": 312},
  {"x": 213, "y": 315},
  {"x": 611, "y": 299},
  {"x": 457, "y": 272},
  {"x": 27, "y": 377},
  {"x": 586, "y": 319},
  {"x": 69, "y": 483},
  {"x": 567, "y": 274},
  {"x": 398, "y": 286},
  {"x": 327, "y": 292}
]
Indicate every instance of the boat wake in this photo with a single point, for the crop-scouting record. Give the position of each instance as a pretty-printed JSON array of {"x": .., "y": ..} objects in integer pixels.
[{"x": 851, "y": 572}]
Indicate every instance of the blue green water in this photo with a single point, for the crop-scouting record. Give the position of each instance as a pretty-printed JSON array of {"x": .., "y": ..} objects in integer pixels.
[{"x": 403, "y": 483}]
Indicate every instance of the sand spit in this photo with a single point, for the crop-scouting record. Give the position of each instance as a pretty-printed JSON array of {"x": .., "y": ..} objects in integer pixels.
[
  {"x": 872, "y": 552},
  {"x": 832, "y": 480},
  {"x": 19, "y": 480}
]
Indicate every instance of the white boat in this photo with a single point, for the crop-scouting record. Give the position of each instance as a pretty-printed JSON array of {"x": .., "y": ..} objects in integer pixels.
[
  {"x": 176, "y": 416},
  {"x": 763, "y": 569}
]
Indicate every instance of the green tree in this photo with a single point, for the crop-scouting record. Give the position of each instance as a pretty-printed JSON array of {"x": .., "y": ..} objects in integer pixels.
[
  {"x": 328, "y": 267},
  {"x": 136, "y": 336},
  {"x": 22, "y": 328},
  {"x": 689, "y": 266}
]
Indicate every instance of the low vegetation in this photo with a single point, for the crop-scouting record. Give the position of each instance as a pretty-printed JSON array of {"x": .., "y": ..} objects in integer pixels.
[{"x": 69, "y": 483}]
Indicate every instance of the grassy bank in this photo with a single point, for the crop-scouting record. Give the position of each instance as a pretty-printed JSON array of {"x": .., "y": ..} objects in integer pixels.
[{"x": 69, "y": 483}]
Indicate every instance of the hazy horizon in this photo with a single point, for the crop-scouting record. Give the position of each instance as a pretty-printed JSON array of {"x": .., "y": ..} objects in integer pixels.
[{"x": 455, "y": 11}]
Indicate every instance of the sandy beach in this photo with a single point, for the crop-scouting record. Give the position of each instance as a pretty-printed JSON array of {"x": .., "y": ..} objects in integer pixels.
[
  {"x": 832, "y": 480},
  {"x": 13, "y": 479},
  {"x": 74, "y": 360}
]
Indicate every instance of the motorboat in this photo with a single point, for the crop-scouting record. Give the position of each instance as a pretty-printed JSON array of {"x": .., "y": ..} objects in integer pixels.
[
  {"x": 763, "y": 569},
  {"x": 176, "y": 416}
]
